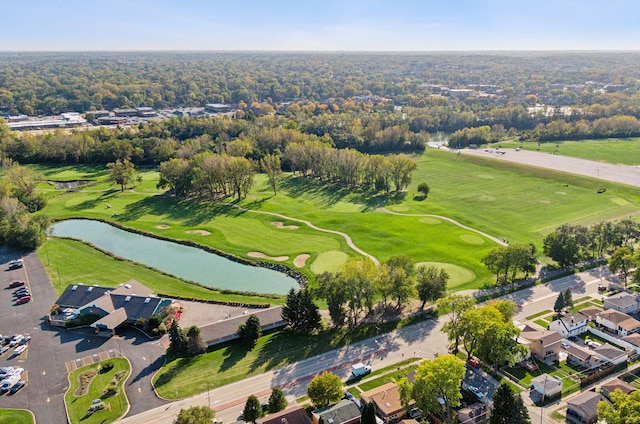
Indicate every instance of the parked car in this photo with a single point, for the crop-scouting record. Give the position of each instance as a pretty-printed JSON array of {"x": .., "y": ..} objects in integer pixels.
[
  {"x": 22, "y": 294},
  {"x": 23, "y": 300},
  {"x": 16, "y": 387},
  {"x": 15, "y": 264},
  {"x": 9, "y": 381},
  {"x": 3, "y": 349},
  {"x": 565, "y": 345},
  {"x": 602, "y": 288},
  {"x": 16, "y": 340},
  {"x": 17, "y": 283},
  {"x": 4, "y": 371},
  {"x": 21, "y": 289},
  {"x": 17, "y": 351},
  {"x": 474, "y": 363},
  {"x": 25, "y": 340}
]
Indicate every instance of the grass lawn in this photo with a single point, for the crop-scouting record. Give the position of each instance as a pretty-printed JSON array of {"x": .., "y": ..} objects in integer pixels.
[
  {"x": 392, "y": 377},
  {"x": 77, "y": 406},
  {"x": 563, "y": 372},
  {"x": 66, "y": 263},
  {"x": 187, "y": 376},
  {"x": 15, "y": 416},
  {"x": 471, "y": 190},
  {"x": 539, "y": 314},
  {"x": 614, "y": 150},
  {"x": 542, "y": 322}
]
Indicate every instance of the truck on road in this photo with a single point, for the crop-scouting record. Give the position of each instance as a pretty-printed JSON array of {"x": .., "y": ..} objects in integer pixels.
[{"x": 360, "y": 369}]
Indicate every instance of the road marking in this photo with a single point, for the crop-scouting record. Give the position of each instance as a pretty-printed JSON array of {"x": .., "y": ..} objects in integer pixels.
[
  {"x": 44, "y": 372},
  {"x": 26, "y": 379},
  {"x": 48, "y": 400},
  {"x": 144, "y": 359},
  {"x": 139, "y": 389}
]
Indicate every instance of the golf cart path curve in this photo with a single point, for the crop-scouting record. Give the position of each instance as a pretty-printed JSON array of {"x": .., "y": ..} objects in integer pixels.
[{"x": 310, "y": 225}]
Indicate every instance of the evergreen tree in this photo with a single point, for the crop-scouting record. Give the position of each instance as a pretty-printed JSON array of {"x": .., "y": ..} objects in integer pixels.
[
  {"x": 568, "y": 299},
  {"x": 508, "y": 407},
  {"x": 559, "y": 305},
  {"x": 250, "y": 330},
  {"x": 252, "y": 410},
  {"x": 277, "y": 401},
  {"x": 177, "y": 339},
  {"x": 368, "y": 414},
  {"x": 300, "y": 312},
  {"x": 195, "y": 344}
]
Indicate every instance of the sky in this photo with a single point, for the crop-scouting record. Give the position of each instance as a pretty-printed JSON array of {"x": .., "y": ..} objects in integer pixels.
[{"x": 320, "y": 25}]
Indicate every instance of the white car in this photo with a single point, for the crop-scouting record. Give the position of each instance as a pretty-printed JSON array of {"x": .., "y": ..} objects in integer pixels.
[
  {"x": 16, "y": 340},
  {"x": 19, "y": 349}
]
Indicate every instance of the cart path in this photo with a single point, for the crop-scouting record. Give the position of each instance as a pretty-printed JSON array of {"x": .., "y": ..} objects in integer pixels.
[
  {"x": 310, "y": 225},
  {"x": 444, "y": 218}
]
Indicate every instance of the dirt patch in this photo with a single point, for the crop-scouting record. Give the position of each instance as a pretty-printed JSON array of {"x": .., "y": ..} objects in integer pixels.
[
  {"x": 201, "y": 232},
  {"x": 162, "y": 227},
  {"x": 85, "y": 380},
  {"x": 288, "y": 227},
  {"x": 261, "y": 255},
  {"x": 301, "y": 260}
]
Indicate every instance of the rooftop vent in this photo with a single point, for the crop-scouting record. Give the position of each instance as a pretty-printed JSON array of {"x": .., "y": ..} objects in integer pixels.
[
  {"x": 127, "y": 285},
  {"x": 128, "y": 298},
  {"x": 90, "y": 288},
  {"x": 387, "y": 404},
  {"x": 147, "y": 300},
  {"x": 75, "y": 287}
]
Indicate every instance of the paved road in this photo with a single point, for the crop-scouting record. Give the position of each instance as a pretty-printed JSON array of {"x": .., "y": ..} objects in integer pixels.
[
  {"x": 604, "y": 171},
  {"x": 51, "y": 348},
  {"x": 421, "y": 340}
]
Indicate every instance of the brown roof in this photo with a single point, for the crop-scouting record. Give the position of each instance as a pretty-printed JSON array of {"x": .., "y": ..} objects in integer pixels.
[
  {"x": 545, "y": 336},
  {"x": 132, "y": 287},
  {"x": 587, "y": 403},
  {"x": 386, "y": 398},
  {"x": 614, "y": 316},
  {"x": 634, "y": 339},
  {"x": 104, "y": 302},
  {"x": 629, "y": 324},
  {"x": 409, "y": 421},
  {"x": 293, "y": 415},
  {"x": 591, "y": 311},
  {"x": 574, "y": 318},
  {"x": 578, "y": 352},
  {"x": 616, "y": 383}
]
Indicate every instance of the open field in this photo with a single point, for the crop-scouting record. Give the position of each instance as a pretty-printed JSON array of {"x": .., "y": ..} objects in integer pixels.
[
  {"x": 66, "y": 262},
  {"x": 615, "y": 150},
  {"x": 116, "y": 405},
  {"x": 15, "y": 416}
]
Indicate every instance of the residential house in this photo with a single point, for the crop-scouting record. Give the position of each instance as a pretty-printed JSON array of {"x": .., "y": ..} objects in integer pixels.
[
  {"x": 546, "y": 385},
  {"x": 584, "y": 408},
  {"x": 127, "y": 303},
  {"x": 476, "y": 413},
  {"x": 570, "y": 325},
  {"x": 618, "y": 322},
  {"x": 611, "y": 354},
  {"x": 616, "y": 384},
  {"x": 386, "y": 398},
  {"x": 623, "y": 302},
  {"x": 590, "y": 312},
  {"x": 293, "y": 415},
  {"x": 581, "y": 357},
  {"x": 634, "y": 341},
  {"x": 544, "y": 344},
  {"x": 343, "y": 412}
]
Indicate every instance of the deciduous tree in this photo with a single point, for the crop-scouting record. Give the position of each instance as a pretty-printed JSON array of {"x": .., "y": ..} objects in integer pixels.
[
  {"x": 325, "y": 389},
  {"x": 624, "y": 409},
  {"x": 622, "y": 261},
  {"x": 431, "y": 283},
  {"x": 454, "y": 305},
  {"x": 121, "y": 172},
  {"x": 270, "y": 164},
  {"x": 195, "y": 415}
]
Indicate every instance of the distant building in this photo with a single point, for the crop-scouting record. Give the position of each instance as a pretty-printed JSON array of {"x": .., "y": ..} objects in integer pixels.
[
  {"x": 217, "y": 108},
  {"x": 146, "y": 112},
  {"x": 99, "y": 113},
  {"x": 112, "y": 120},
  {"x": 126, "y": 113},
  {"x": 65, "y": 120}
]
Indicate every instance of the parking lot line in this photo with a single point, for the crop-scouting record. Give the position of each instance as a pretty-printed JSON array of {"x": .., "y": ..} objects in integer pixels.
[
  {"x": 71, "y": 366},
  {"x": 26, "y": 376},
  {"x": 104, "y": 356},
  {"x": 87, "y": 360}
]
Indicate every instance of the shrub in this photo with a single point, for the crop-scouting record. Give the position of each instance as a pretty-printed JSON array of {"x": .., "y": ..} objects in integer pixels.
[{"x": 106, "y": 367}]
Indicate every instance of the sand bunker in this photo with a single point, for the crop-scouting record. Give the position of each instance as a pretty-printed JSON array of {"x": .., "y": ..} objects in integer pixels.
[
  {"x": 261, "y": 255},
  {"x": 201, "y": 232},
  {"x": 301, "y": 260},
  {"x": 288, "y": 227},
  {"x": 162, "y": 227}
]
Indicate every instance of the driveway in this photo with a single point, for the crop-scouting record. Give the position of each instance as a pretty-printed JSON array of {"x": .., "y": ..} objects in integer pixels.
[{"x": 51, "y": 348}]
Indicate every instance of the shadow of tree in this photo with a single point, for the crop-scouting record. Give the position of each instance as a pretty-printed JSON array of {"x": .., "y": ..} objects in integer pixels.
[
  {"x": 149, "y": 369},
  {"x": 233, "y": 354},
  {"x": 168, "y": 375}
]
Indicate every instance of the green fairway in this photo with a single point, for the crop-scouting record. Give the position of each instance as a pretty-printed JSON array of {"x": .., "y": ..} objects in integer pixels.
[
  {"x": 614, "y": 150},
  {"x": 458, "y": 276},
  {"x": 510, "y": 201},
  {"x": 15, "y": 416},
  {"x": 71, "y": 262},
  {"x": 115, "y": 405}
]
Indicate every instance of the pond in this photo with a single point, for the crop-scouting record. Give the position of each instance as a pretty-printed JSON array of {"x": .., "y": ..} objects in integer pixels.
[{"x": 189, "y": 263}]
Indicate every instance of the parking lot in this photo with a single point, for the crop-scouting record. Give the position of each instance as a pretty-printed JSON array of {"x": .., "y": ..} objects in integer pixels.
[{"x": 52, "y": 352}]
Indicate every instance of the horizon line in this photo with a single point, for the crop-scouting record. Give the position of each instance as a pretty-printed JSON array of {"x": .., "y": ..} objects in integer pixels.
[{"x": 327, "y": 51}]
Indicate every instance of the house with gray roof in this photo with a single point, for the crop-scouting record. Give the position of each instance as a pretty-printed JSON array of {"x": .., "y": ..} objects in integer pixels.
[
  {"x": 584, "y": 407},
  {"x": 618, "y": 322},
  {"x": 623, "y": 302},
  {"x": 616, "y": 384},
  {"x": 127, "y": 303},
  {"x": 611, "y": 354},
  {"x": 343, "y": 412},
  {"x": 570, "y": 325},
  {"x": 581, "y": 357}
]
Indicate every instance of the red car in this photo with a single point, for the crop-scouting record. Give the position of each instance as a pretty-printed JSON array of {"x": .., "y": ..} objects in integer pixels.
[
  {"x": 18, "y": 283},
  {"x": 474, "y": 363},
  {"x": 23, "y": 300}
]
